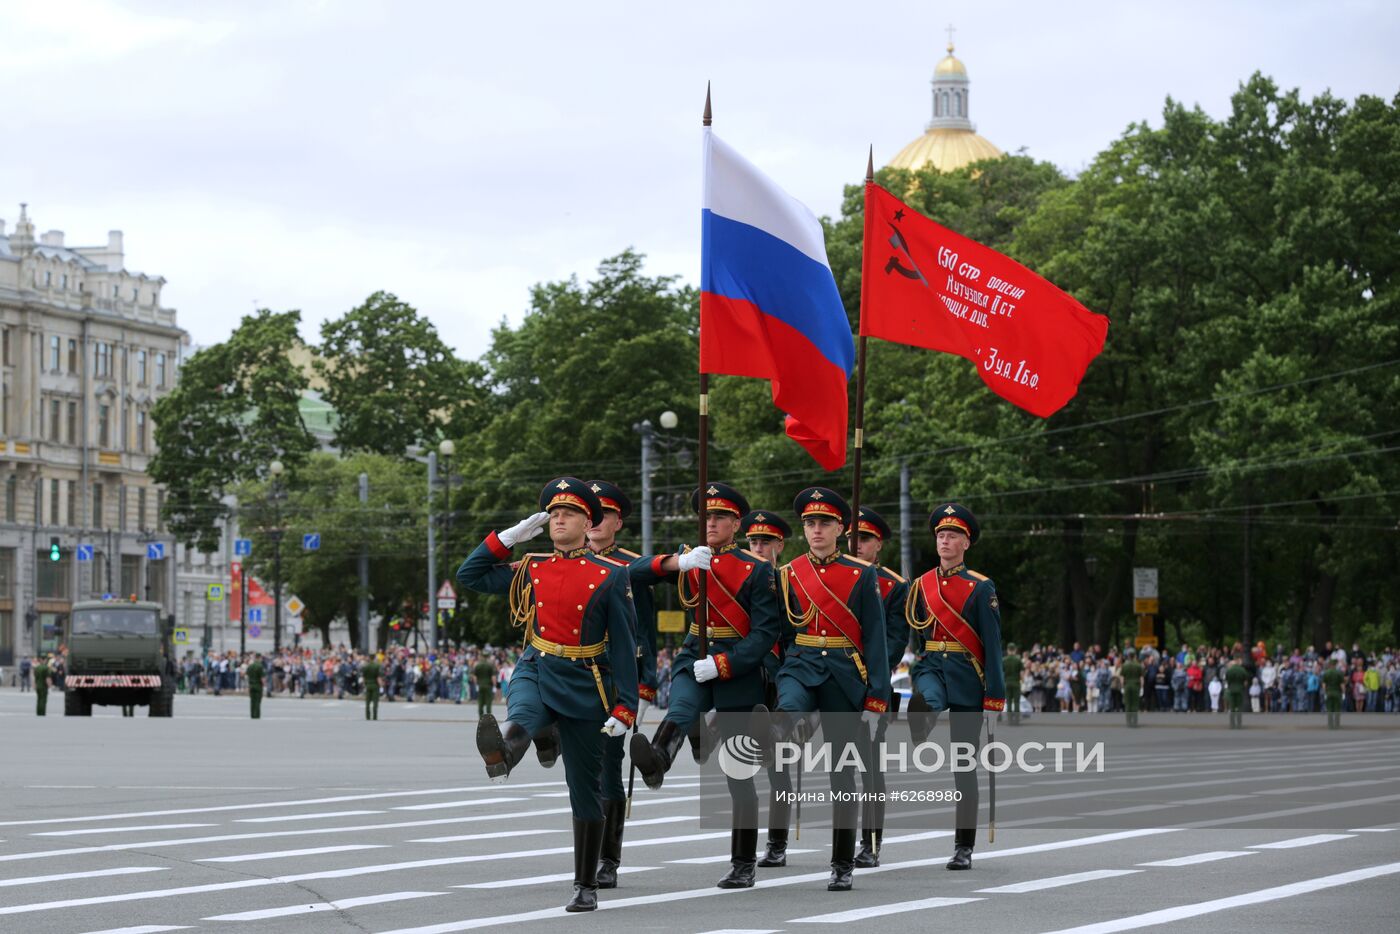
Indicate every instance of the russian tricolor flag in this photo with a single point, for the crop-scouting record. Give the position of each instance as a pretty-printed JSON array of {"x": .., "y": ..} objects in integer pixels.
[{"x": 769, "y": 308}]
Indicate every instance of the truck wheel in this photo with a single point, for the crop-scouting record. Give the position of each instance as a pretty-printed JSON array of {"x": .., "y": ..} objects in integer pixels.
[
  {"x": 71, "y": 706},
  {"x": 162, "y": 704}
]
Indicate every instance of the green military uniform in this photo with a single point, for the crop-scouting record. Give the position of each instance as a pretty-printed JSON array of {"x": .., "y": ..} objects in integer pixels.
[
  {"x": 1131, "y": 672},
  {"x": 1236, "y": 680},
  {"x": 370, "y": 672},
  {"x": 1011, "y": 670},
  {"x": 485, "y": 672},
  {"x": 255, "y": 687},
  {"x": 41, "y": 689},
  {"x": 958, "y": 618},
  {"x": 835, "y": 660},
  {"x": 578, "y": 670},
  {"x": 742, "y": 628},
  {"x": 1332, "y": 681}
]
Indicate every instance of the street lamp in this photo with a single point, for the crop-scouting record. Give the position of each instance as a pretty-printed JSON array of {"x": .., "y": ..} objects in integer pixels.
[
  {"x": 446, "y": 449},
  {"x": 644, "y": 428},
  {"x": 275, "y": 470}
]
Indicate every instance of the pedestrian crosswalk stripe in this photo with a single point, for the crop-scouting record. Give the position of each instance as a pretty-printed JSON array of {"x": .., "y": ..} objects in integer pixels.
[
  {"x": 1301, "y": 841},
  {"x": 304, "y": 909},
  {"x": 91, "y": 830},
  {"x": 1196, "y": 858},
  {"x": 860, "y": 914},
  {"x": 285, "y": 818},
  {"x": 92, "y": 874},
  {"x": 540, "y": 880},
  {"x": 283, "y": 854},
  {"x": 1055, "y": 882}
]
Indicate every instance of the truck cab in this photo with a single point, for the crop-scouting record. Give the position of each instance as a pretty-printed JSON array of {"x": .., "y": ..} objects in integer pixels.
[{"x": 119, "y": 653}]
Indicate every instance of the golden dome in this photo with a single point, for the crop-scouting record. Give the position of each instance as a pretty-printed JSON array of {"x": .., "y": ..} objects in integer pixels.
[
  {"x": 946, "y": 149},
  {"x": 950, "y": 66}
]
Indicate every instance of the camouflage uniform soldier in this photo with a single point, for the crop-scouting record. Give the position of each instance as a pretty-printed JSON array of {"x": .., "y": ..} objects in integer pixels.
[
  {"x": 1236, "y": 678},
  {"x": 41, "y": 687},
  {"x": 370, "y": 672},
  {"x": 1011, "y": 668},
  {"x": 1332, "y": 680},
  {"x": 485, "y": 672},
  {"x": 255, "y": 686},
  {"x": 1131, "y": 673}
]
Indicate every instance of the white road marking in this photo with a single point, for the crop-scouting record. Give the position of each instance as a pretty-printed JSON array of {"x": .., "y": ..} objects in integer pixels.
[
  {"x": 470, "y": 802},
  {"x": 1289, "y": 812},
  {"x": 274, "y": 804},
  {"x": 283, "y": 818},
  {"x": 763, "y": 883},
  {"x": 328, "y": 874},
  {"x": 722, "y": 858},
  {"x": 1195, "y": 858},
  {"x": 93, "y": 874},
  {"x": 283, "y": 854},
  {"x": 550, "y": 794},
  {"x": 1371, "y": 830},
  {"x": 338, "y": 905},
  {"x": 492, "y": 835},
  {"x": 144, "y": 929},
  {"x": 744, "y": 931},
  {"x": 1180, "y": 912},
  {"x": 540, "y": 880},
  {"x": 1055, "y": 882},
  {"x": 1296, "y": 842},
  {"x": 89, "y": 830},
  {"x": 860, "y": 914},
  {"x": 1143, "y": 808}
]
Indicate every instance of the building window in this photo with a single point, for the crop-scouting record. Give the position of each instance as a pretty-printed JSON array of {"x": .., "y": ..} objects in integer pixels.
[
  {"x": 160, "y": 510},
  {"x": 53, "y": 502},
  {"x": 116, "y": 291},
  {"x": 102, "y": 359},
  {"x": 131, "y": 574},
  {"x": 73, "y": 504},
  {"x": 64, "y": 282},
  {"x": 141, "y": 367},
  {"x": 104, "y": 434},
  {"x": 5, "y": 348},
  {"x": 55, "y": 420},
  {"x": 11, "y": 498},
  {"x": 141, "y": 430},
  {"x": 72, "y": 355},
  {"x": 141, "y": 507},
  {"x": 98, "y": 519},
  {"x": 52, "y": 581},
  {"x": 135, "y": 293},
  {"x": 160, "y": 371},
  {"x": 73, "y": 423},
  {"x": 7, "y": 573},
  {"x": 54, "y": 345},
  {"x": 48, "y": 279}
]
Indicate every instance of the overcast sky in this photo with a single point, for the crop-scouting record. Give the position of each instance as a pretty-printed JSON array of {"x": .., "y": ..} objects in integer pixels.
[{"x": 302, "y": 154}]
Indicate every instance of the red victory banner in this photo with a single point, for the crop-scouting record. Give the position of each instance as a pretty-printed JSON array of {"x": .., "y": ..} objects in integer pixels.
[{"x": 926, "y": 286}]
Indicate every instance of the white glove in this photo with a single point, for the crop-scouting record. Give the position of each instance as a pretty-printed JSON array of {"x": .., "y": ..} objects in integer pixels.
[
  {"x": 705, "y": 669},
  {"x": 695, "y": 559},
  {"x": 871, "y": 719},
  {"x": 614, "y": 727},
  {"x": 642, "y": 706},
  {"x": 524, "y": 530}
]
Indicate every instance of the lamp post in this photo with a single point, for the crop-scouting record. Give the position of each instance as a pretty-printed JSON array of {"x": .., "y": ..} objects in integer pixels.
[
  {"x": 644, "y": 428},
  {"x": 275, "y": 533},
  {"x": 446, "y": 449}
]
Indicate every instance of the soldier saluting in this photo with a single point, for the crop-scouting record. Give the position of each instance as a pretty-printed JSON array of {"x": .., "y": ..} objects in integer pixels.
[
  {"x": 955, "y": 612},
  {"x": 579, "y": 667},
  {"x": 742, "y": 628},
  {"x": 834, "y": 656}
]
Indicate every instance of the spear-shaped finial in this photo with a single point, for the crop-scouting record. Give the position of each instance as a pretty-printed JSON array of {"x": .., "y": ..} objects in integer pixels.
[
  {"x": 870, "y": 165},
  {"x": 706, "y": 119}
]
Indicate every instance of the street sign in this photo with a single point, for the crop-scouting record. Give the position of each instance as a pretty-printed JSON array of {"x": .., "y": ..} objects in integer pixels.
[
  {"x": 182, "y": 636},
  {"x": 294, "y": 606},
  {"x": 215, "y": 593},
  {"x": 255, "y": 614},
  {"x": 155, "y": 551},
  {"x": 670, "y": 621},
  {"x": 1144, "y": 583},
  {"x": 1146, "y": 606},
  {"x": 84, "y": 552},
  {"x": 311, "y": 541},
  {"x": 446, "y": 592},
  {"x": 447, "y": 603},
  {"x": 243, "y": 546},
  {"x": 254, "y": 631}
]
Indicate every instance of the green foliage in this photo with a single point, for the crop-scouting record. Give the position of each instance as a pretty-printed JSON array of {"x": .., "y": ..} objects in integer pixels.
[
  {"x": 233, "y": 412},
  {"x": 392, "y": 381}
]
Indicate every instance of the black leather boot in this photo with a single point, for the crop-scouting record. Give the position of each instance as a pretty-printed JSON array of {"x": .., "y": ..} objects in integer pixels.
[
  {"x": 775, "y": 851},
  {"x": 654, "y": 758},
  {"x": 547, "y": 745},
  {"x": 614, "y": 817},
  {"x": 743, "y": 852},
  {"x": 843, "y": 848},
  {"x": 588, "y": 843},
  {"x": 501, "y": 750},
  {"x": 704, "y": 736},
  {"x": 963, "y": 841},
  {"x": 869, "y": 856}
]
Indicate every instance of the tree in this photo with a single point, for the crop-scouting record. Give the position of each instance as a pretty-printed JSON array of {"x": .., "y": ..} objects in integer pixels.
[
  {"x": 392, "y": 381},
  {"x": 233, "y": 411}
]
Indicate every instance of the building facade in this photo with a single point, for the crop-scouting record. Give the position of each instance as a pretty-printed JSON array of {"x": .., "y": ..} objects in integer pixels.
[{"x": 86, "y": 349}]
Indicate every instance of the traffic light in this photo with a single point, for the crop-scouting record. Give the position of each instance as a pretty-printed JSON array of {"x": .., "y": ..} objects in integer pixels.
[{"x": 54, "y": 553}]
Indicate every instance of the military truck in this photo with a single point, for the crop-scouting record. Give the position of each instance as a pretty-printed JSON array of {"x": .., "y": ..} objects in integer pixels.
[{"x": 119, "y": 654}]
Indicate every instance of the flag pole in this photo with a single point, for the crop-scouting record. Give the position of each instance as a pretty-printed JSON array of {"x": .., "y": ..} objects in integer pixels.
[
  {"x": 854, "y": 536},
  {"x": 702, "y": 608}
]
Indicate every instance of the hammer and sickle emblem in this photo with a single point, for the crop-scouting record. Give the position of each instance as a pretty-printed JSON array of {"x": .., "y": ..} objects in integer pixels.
[{"x": 894, "y": 265}]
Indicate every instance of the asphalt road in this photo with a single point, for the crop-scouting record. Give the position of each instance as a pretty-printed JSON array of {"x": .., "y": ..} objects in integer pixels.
[{"x": 312, "y": 819}]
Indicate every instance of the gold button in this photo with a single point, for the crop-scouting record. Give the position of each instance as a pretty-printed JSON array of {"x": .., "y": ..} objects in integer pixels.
[
  {"x": 823, "y": 632},
  {"x": 823, "y": 651},
  {"x": 582, "y": 560},
  {"x": 823, "y": 570},
  {"x": 604, "y": 571},
  {"x": 592, "y": 586},
  {"x": 537, "y": 580},
  {"x": 856, "y": 571},
  {"x": 541, "y": 603},
  {"x": 580, "y": 606},
  {"x": 945, "y": 583},
  {"x": 575, "y": 632}
]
